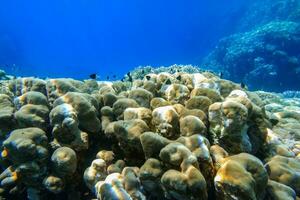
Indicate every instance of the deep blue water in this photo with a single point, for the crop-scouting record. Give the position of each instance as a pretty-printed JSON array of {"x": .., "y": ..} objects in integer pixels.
[{"x": 73, "y": 38}]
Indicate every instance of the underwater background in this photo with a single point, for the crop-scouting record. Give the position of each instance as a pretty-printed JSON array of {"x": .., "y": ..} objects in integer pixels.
[
  {"x": 240, "y": 39},
  {"x": 76, "y": 38}
]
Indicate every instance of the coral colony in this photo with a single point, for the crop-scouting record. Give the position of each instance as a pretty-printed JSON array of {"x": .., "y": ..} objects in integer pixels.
[{"x": 172, "y": 133}]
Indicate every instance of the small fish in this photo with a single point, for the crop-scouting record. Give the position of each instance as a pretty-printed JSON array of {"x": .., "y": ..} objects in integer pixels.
[
  {"x": 273, "y": 73},
  {"x": 143, "y": 71},
  {"x": 221, "y": 74},
  {"x": 107, "y": 77},
  {"x": 148, "y": 77},
  {"x": 129, "y": 77},
  {"x": 243, "y": 85},
  {"x": 93, "y": 76},
  {"x": 4, "y": 153},
  {"x": 178, "y": 78},
  {"x": 168, "y": 82},
  {"x": 15, "y": 68},
  {"x": 114, "y": 76}
]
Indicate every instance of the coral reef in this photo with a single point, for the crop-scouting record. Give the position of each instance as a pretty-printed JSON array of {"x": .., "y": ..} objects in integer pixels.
[
  {"x": 283, "y": 138},
  {"x": 4, "y": 76},
  {"x": 265, "y": 11},
  {"x": 166, "y": 134},
  {"x": 141, "y": 71},
  {"x": 7, "y": 109},
  {"x": 264, "y": 58},
  {"x": 32, "y": 111},
  {"x": 261, "y": 51},
  {"x": 244, "y": 173}
]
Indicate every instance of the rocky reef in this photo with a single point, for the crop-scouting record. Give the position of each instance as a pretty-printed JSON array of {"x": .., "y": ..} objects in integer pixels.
[
  {"x": 4, "y": 76},
  {"x": 164, "y": 136},
  {"x": 260, "y": 12},
  {"x": 262, "y": 50},
  {"x": 265, "y": 58}
]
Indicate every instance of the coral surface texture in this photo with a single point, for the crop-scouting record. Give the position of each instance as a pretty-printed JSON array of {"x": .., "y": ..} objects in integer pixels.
[{"x": 175, "y": 133}]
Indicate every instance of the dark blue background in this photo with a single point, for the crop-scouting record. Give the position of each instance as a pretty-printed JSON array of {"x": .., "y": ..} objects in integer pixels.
[{"x": 73, "y": 38}]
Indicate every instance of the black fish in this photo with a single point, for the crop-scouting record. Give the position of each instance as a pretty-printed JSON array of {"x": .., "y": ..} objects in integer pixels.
[
  {"x": 129, "y": 77},
  {"x": 221, "y": 74},
  {"x": 107, "y": 78},
  {"x": 243, "y": 85},
  {"x": 148, "y": 77},
  {"x": 93, "y": 76},
  {"x": 168, "y": 82}
]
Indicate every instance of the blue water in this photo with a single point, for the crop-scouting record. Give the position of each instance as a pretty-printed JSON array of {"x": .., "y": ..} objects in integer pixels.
[{"x": 73, "y": 38}]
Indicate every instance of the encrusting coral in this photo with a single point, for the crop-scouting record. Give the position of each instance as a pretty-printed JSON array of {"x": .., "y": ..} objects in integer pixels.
[
  {"x": 33, "y": 110},
  {"x": 286, "y": 171},
  {"x": 175, "y": 134},
  {"x": 26, "y": 152},
  {"x": 241, "y": 176},
  {"x": 7, "y": 121}
]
